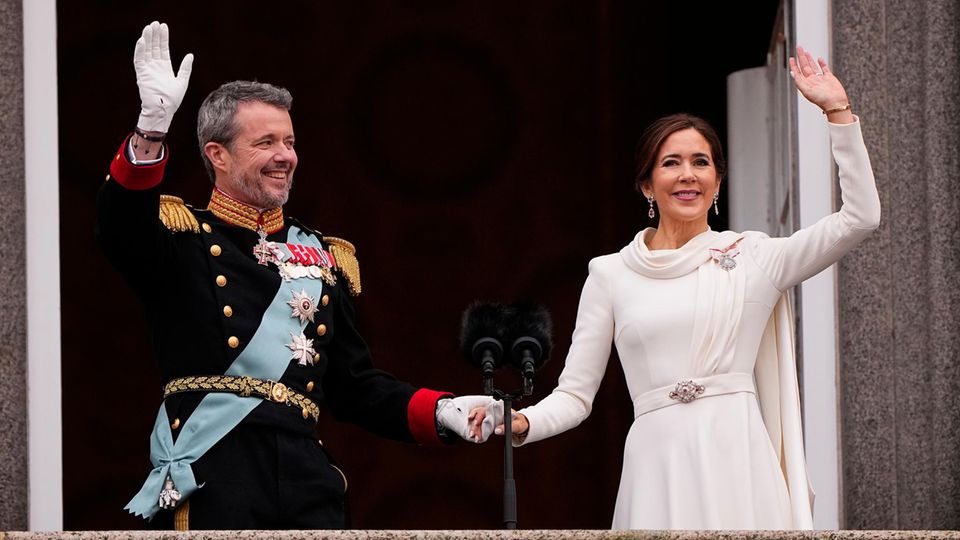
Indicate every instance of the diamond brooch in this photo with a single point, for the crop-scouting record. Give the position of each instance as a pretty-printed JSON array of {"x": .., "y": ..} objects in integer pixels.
[{"x": 686, "y": 391}]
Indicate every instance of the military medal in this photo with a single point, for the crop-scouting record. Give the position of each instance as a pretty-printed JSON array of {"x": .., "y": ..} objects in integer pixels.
[
  {"x": 302, "y": 348},
  {"x": 326, "y": 265},
  {"x": 295, "y": 261},
  {"x": 304, "y": 306},
  {"x": 327, "y": 276},
  {"x": 291, "y": 270},
  {"x": 264, "y": 251},
  {"x": 169, "y": 495},
  {"x": 724, "y": 257}
]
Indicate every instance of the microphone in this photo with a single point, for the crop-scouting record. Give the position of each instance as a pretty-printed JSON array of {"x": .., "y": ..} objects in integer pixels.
[
  {"x": 530, "y": 331},
  {"x": 482, "y": 334}
]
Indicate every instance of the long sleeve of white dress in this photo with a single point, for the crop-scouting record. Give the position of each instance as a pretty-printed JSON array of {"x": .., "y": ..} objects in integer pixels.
[
  {"x": 785, "y": 261},
  {"x": 571, "y": 402},
  {"x": 793, "y": 259}
]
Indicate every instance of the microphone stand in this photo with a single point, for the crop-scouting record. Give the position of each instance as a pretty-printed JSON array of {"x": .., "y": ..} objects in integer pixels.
[{"x": 509, "y": 484}]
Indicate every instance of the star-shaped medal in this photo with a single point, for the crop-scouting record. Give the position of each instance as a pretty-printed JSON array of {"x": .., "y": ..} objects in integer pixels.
[
  {"x": 302, "y": 349},
  {"x": 304, "y": 306}
]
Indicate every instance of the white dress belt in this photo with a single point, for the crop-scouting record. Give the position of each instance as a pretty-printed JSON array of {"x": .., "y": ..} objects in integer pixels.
[{"x": 689, "y": 390}]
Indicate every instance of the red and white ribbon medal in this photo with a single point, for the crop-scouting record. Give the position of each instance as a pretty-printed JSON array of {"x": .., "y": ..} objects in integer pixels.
[
  {"x": 724, "y": 257},
  {"x": 300, "y": 261}
]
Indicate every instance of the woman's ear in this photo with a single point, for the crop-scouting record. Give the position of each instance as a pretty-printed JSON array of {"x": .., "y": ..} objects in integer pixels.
[{"x": 646, "y": 189}]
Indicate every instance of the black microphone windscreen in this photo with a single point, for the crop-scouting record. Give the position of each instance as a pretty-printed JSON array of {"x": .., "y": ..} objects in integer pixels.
[
  {"x": 481, "y": 320},
  {"x": 532, "y": 320}
]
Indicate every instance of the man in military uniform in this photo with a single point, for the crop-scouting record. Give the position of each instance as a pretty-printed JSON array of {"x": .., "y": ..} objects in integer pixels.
[{"x": 251, "y": 316}]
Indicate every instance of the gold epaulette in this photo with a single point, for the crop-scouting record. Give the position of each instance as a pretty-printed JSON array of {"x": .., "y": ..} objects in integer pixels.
[
  {"x": 346, "y": 256},
  {"x": 176, "y": 216}
]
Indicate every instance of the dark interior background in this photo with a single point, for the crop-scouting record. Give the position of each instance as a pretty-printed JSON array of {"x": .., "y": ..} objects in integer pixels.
[{"x": 471, "y": 150}]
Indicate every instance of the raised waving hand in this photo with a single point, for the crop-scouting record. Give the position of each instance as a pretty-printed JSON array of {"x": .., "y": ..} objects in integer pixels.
[
  {"x": 161, "y": 90},
  {"x": 820, "y": 86}
]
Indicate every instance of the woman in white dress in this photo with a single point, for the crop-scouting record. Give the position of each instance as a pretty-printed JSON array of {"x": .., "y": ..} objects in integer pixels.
[{"x": 704, "y": 332}]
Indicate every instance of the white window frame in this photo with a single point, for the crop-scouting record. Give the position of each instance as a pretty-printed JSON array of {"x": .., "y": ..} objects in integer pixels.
[
  {"x": 44, "y": 418},
  {"x": 41, "y": 165},
  {"x": 818, "y": 296}
]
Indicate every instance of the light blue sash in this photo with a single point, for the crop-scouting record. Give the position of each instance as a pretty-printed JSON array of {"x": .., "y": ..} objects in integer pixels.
[{"x": 265, "y": 357}]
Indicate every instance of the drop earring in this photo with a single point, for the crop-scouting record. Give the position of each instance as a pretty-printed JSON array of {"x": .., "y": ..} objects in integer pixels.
[
  {"x": 651, "y": 213},
  {"x": 716, "y": 195}
]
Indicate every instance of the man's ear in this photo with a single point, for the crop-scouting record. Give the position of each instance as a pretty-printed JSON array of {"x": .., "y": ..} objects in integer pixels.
[{"x": 218, "y": 155}]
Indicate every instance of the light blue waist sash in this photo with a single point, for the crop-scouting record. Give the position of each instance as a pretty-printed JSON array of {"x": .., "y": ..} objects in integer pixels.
[{"x": 265, "y": 357}]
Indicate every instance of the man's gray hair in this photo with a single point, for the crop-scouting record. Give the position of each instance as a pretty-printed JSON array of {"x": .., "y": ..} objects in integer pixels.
[{"x": 215, "y": 121}]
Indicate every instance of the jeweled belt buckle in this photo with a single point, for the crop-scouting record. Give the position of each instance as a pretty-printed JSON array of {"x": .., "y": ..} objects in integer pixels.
[
  {"x": 686, "y": 391},
  {"x": 279, "y": 392}
]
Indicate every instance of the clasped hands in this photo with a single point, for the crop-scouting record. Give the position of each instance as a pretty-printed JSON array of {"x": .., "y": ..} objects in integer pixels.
[{"x": 475, "y": 418}]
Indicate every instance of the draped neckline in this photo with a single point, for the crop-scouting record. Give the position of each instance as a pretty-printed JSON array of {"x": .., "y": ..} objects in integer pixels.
[{"x": 673, "y": 263}]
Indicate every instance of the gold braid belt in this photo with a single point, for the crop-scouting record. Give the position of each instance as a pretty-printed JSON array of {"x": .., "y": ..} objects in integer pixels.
[{"x": 245, "y": 387}]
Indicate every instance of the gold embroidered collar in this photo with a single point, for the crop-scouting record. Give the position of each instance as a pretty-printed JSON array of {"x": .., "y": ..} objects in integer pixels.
[{"x": 243, "y": 215}]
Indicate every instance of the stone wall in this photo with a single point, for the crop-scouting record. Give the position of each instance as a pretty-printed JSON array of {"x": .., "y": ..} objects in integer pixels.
[
  {"x": 551, "y": 534},
  {"x": 898, "y": 293},
  {"x": 13, "y": 313}
]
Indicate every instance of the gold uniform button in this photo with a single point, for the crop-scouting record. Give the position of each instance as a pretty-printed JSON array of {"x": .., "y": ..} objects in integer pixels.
[
  {"x": 321, "y": 329},
  {"x": 116, "y": 158},
  {"x": 175, "y": 424},
  {"x": 215, "y": 250},
  {"x": 316, "y": 358},
  {"x": 233, "y": 342},
  {"x": 325, "y": 300},
  {"x": 227, "y": 311},
  {"x": 207, "y": 227},
  {"x": 310, "y": 384},
  {"x": 107, "y": 179},
  {"x": 306, "y": 413},
  {"x": 221, "y": 280}
]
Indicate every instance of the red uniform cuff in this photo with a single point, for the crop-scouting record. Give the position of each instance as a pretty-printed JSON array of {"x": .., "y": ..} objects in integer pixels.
[
  {"x": 422, "y": 415},
  {"x": 136, "y": 177}
]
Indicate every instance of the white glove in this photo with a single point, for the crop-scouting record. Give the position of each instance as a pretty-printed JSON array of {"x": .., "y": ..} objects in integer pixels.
[
  {"x": 161, "y": 92},
  {"x": 452, "y": 414}
]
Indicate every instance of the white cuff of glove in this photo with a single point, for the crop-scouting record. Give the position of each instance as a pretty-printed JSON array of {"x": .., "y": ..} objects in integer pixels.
[
  {"x": 132, "y": 156},
  {"x": 452, "y": 414}
]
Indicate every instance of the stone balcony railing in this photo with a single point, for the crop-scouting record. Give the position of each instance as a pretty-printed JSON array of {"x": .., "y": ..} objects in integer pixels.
[{"x": 487, "y": 534}]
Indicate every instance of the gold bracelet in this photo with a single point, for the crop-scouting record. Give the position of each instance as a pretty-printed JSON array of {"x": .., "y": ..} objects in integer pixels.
[{"x": 837, "y": 109}]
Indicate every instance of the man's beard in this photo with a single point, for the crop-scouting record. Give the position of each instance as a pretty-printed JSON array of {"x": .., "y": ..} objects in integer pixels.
[{"x": 251, "y": 192}]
